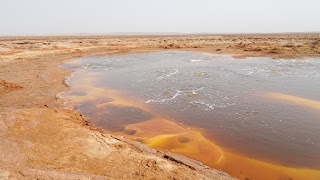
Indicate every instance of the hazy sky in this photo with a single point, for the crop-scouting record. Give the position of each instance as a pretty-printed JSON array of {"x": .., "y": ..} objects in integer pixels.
[{"x": 36, "y": 17}]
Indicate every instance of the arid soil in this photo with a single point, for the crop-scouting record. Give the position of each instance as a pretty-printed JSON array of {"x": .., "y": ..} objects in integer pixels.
[{"x": 41, "y": 139}]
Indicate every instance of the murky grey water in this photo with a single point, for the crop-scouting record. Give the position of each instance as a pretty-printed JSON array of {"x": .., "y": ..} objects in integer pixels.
[{"x": 228, "y": 98}]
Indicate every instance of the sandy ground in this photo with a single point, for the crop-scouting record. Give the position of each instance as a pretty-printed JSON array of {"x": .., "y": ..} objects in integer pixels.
[{"x": 41, "y": 139}]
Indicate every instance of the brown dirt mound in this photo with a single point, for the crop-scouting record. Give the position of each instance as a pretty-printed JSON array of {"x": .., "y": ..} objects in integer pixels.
[{"x": 7, "y": 86}]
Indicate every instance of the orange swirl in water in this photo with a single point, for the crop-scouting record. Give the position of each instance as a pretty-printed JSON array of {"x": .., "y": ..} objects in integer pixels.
[{"x": 295, "y": 99}]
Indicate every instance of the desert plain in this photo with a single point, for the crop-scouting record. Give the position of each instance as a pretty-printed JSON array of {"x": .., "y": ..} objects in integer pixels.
[{"x": 42, "y": 139}]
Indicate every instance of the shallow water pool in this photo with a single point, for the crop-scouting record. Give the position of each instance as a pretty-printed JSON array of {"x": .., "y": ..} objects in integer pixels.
[{"x": 255, "y": 118}]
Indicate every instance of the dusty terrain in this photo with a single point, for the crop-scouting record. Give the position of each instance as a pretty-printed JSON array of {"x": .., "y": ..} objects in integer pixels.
[{"x": 42, "y": 139}]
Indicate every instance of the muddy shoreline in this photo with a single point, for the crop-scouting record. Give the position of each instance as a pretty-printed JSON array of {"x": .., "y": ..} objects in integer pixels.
[{"x": 42, "y": 139}]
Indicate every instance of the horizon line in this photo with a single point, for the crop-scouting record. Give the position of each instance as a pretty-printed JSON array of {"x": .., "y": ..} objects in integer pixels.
[{"x": 153, "y": 33}]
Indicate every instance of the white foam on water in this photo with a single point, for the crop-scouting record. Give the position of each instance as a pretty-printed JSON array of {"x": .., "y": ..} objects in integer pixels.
[
  {"x": 178, "y": 93},
  {"x": 211, "y": 106},
  {"x": 176, "y": 70},
  {"x": 194, "y": 91},
  {"x": 196, "y": 60}
]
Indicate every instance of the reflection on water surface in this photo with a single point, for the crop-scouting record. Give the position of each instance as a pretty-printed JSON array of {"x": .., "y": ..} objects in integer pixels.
[{"x": 255, "y": 118}]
